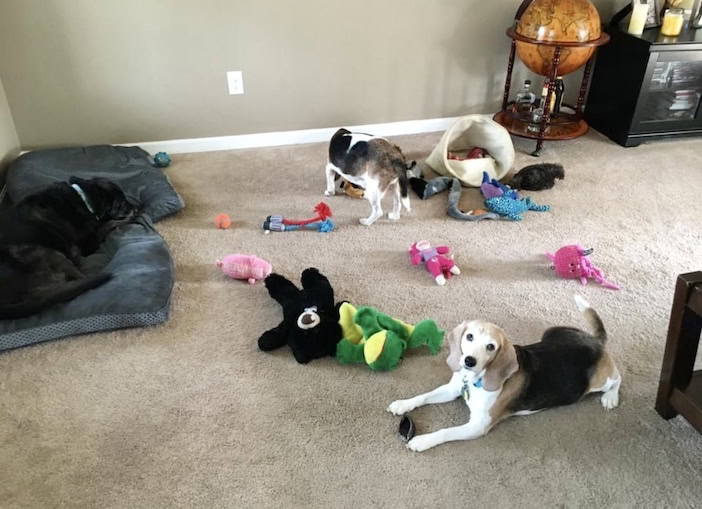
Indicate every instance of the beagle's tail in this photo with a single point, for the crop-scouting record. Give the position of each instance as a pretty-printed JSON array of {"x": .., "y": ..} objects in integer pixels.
[
  {"x": 401, "y": 169},
  {"x": 592, "y": 318}
]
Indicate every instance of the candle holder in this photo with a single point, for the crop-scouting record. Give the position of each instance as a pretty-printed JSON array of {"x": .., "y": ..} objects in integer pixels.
[
  {"x": 639, "y": 16},
  {"x": 673, "y": 21}
]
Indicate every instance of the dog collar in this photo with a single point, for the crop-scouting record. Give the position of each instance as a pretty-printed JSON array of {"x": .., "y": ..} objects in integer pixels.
[
  {"x": 84, "y": 197},
  {"x": 478, "y": 384}
]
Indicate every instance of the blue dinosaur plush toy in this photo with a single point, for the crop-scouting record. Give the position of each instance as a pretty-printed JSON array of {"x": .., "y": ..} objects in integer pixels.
[
  {"x": 511, "y": 208},
  {"x": 494, "y": 188}
]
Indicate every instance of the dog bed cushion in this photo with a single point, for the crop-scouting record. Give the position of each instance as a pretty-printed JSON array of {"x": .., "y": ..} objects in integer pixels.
[
  {"x": 128, "y": 167},
  {"x": 138, "y": 294},
  {"x": 469, "y": 132}
]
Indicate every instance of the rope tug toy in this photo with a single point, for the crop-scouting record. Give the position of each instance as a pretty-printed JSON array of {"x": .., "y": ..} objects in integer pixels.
[{"x": 320, "y": 223}]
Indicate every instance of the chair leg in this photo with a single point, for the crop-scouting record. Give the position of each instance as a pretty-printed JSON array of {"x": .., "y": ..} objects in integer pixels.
[{"x": 681, "y": 346}]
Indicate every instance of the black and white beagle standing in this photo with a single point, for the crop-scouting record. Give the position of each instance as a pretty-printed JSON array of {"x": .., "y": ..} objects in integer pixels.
[
  {"x": 372, "y": 163},
  {"x": 498, "y": 379}
]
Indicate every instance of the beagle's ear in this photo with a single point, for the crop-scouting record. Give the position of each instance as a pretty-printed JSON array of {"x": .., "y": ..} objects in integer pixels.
[
  {"x": 454, "y": 343},
  {"x": 503, "y": 366}
]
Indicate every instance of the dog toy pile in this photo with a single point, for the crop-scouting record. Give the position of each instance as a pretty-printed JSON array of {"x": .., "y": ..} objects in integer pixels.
[
  {"x": 425, "y": 189},
  {"x": 435, "y": 259},
  {"x": 474, "y": 153},
  {"x": 313, "y": 326},
  {"x": 572, "y": 262},
  {"x": 247, "y": 267},
  {"x": 500, "y": 200},
  {"x": 504, "y": 201},
  {"x": 320, "y": 222},
  {"x": 465, "y": 136}
]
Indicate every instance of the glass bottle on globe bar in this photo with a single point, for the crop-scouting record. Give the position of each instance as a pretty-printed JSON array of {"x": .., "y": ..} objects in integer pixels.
[{"x": 525, "y": 101}]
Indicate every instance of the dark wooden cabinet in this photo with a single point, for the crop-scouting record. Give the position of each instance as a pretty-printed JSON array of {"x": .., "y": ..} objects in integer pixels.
[{"x": 647, "y": 87}]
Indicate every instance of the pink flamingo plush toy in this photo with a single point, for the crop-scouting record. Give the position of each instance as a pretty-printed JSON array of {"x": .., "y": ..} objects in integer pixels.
[
  {"x": 572, "y": 262},
  {"x": 241, "y": 266},
  {"x": 440, "y": 266}
]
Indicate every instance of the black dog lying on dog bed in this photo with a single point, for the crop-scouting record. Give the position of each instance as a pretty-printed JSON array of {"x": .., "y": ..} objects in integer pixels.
[
  {"x": 133, "y": 253},
  {"x": 42, "y": 236}
]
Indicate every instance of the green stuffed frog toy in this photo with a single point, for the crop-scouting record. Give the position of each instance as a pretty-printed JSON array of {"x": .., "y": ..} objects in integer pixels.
[{"x": 374, "y": 338}]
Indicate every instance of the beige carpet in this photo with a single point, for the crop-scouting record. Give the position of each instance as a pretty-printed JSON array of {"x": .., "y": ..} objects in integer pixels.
[{"x": 191, "y": 414}]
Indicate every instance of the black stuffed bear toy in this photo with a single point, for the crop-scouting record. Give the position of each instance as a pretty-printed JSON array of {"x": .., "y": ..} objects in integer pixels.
[{"x": 310, "y": 323}]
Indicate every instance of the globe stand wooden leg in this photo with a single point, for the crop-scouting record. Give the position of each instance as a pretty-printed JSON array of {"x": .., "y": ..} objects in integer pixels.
[
  {"x": 583, "y": 87},
  {"x": 546, "y": 114},
  {"x": 508, "y": 81}
]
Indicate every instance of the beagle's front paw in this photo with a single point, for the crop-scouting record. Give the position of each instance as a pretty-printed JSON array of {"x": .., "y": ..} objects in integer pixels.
[
  {"x": 400, "y": 407},
  {"x": 610, "y": 400},
  {"x": 421, "y": 443},
  {"x": 329, "y": 193}
]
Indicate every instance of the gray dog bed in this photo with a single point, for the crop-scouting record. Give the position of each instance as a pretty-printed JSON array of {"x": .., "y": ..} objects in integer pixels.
[
  {"x": 138, "y": 294},
  {"x": 128, "y": 167},
  {"x": 135, "y": 254}
]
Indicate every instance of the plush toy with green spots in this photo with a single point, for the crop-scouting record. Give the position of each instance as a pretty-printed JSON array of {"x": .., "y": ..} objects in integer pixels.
[{"x": 374, "y": 338}]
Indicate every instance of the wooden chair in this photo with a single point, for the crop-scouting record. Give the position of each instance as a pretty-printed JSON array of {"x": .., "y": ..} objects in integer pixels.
[{"x": 680, "y": 388}]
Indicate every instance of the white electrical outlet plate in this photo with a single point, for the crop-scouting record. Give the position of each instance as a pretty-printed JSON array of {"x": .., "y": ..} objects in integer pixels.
[{"x": 235, "y": 81}]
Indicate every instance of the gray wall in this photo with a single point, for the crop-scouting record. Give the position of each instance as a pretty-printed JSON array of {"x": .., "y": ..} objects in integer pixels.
[
  {"x": 9, "y": 143},
  {"x": 86, "y": 71}
]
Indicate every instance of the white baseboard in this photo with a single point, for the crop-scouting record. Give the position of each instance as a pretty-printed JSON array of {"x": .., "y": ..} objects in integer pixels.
[{"x": 290, "y": 137}]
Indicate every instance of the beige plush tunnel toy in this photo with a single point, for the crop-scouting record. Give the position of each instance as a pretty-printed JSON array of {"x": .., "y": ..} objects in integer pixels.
[{"x": 467, "y": 133}]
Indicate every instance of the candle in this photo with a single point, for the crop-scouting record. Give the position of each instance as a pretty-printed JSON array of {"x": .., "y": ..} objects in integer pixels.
[
  {"x": 672, "y": 22},
  {"x": 638, "y": 17}
]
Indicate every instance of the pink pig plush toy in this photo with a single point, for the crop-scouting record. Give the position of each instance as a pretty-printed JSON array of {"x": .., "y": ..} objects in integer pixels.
[
  {"x": 435, "y": 259},
  {"x": 241, "y": 266}
]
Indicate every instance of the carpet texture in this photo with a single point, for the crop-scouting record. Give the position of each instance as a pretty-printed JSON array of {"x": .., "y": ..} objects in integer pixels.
[{"x": 191, "y": 414}]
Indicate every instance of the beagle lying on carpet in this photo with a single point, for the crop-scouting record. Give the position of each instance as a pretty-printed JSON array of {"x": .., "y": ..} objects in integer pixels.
[{"x": 498, "y": 379}]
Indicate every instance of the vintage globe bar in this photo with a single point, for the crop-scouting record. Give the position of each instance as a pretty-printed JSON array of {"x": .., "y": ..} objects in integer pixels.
[{"x": 552, "y": 38}]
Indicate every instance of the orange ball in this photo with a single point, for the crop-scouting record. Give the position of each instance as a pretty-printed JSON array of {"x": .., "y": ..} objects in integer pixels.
[{"x": 223, "y": 221}]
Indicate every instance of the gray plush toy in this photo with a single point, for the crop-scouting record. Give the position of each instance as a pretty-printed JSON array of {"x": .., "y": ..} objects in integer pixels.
[{"x": 425, "y": 189}]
